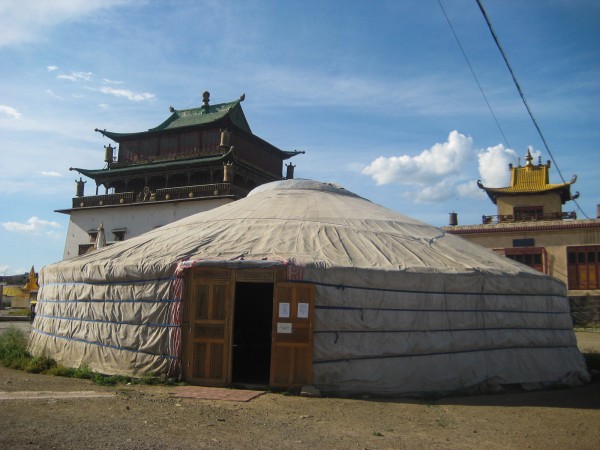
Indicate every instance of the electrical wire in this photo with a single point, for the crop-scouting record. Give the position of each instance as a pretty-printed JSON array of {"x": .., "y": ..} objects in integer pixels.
[
  {"x": 537, "y": 127},
  {"x": 474, "y": 75}
]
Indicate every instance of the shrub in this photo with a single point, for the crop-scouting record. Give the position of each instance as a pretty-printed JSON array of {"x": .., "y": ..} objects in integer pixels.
[
  {"x": 83, "y": 371},
  {"x": 39, "y": 364},
  {"x": 148, "y": 378},
  {"x": 60, "y": 371},
  {"x": 14, "y": 355},
  {"x": 18, "y": 363},
  {"x": 13, "y": 347}
]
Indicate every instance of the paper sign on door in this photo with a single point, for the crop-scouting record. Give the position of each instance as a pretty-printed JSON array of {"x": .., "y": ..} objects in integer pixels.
[
  {"x": 284, "y": 328},
  {"x": 302, "y": 310},
  {"x": 284, "y": 310}
]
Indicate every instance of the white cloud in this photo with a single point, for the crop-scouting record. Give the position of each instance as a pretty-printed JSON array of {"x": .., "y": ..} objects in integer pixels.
[
  {"x": 103, "y": 106},
  {"x": 445, "y": 170},
  {"x": 136, "y": 97},
  {"x": 434, "y": 175},
  {"x": 52, "y": 68},
  {"x": 430, "y": 166},
  {"x": 76, "y": 76},
  {"x": 469, "y": 189},
  {"x": 50, "y": 174},
  {"x": 33, "y": 225},
  {"x": 106, "y": 80},
  {"x": 435, "y": 193},
  {"x": 10, "y": 111},
  {"x": 493, "y": 165}
]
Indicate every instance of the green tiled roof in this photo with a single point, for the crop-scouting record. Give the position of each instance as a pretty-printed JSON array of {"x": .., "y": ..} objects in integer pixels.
[
  {"x": 149, "y": 167},
  {"x": 203, "y": 115}
]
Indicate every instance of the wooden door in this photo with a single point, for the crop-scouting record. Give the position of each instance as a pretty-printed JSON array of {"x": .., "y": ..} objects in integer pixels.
[
  {"x": 208, "y": 344},
  {"x": 291, "y": 351}
]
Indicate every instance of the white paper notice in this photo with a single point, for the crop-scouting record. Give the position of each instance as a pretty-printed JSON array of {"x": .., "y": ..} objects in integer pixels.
[
  {"x": 284, "y": 310},
  {"x": 284, "y": 327},
  {"x": 303, "y": 310}
]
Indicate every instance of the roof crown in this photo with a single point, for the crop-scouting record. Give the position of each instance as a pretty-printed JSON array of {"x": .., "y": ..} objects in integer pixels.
[{"x": 529, "y": 177}]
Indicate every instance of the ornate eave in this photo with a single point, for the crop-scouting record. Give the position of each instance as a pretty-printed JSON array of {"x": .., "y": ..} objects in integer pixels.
[
  {"x": 159, "y": 166},
  {"x": 564, "y": 191},
  {"x": 530, "y": 180},
  {"x": 523, "y": 227}
]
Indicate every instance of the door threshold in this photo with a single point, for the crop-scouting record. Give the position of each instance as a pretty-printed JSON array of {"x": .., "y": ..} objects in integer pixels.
[{"x": 249, "y": 386}]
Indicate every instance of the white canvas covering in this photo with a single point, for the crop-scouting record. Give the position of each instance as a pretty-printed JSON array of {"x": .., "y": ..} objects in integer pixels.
[{"x": 400, "y": 306}]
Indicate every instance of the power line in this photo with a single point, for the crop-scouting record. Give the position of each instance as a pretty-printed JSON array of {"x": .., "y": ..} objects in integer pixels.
[
  {"x": 474, "y": 75},
  {"x": 537, "y": 127}
]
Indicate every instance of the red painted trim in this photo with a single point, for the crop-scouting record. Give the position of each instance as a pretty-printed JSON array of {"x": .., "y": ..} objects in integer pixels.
[{"x": 520, "y": 228}]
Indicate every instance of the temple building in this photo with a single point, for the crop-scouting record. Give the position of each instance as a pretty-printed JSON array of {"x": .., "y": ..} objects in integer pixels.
[
  {"x": 196, "y": 160},
  {"x": 531, "y": 227},
  {"x": 17, "y": 296}
]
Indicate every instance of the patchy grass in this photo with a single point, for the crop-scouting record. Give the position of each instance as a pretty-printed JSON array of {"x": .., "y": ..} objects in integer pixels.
[
  {"x": 588, "y": 328},
  {"x": 14, "y": 355},
  {"x": 19, "y": 312}
]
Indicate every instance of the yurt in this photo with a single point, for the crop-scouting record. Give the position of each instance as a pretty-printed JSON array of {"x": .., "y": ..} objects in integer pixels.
[{"x": 305, "y": 283}]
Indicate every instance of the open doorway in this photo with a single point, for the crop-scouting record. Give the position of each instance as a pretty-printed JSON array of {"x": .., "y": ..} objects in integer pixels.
[{"x": 251, "y": 360}]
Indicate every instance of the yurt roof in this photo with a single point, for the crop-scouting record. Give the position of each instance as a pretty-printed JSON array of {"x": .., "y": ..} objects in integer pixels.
[{"x": 301, "y": 222}]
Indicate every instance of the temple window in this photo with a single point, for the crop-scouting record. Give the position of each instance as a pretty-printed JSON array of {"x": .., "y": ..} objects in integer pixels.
[
  {"x": 211, "y": 140},
  {"x": 84, "y": 248},
  {"x": 528, "y": 212},
  {"x": 583, "y": 267},
  {"x": 92, "y": 234},
  {"x": 534, "y": 257},
  {"x": 119, "y": 234},
  {"x": 190, "y": 142},
  {"x": 149, "y": 147},
  {"x": 168, "y": 145}
]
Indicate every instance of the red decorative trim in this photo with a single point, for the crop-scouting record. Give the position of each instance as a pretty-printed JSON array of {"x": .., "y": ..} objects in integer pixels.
[{"x": 478, "y": 229}]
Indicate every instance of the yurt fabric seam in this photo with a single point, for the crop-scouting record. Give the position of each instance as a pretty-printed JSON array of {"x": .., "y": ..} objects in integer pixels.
[
  {"x": 408, "y": 291},
  {"x": 99, "y": 344},
  {"x": 145, "y": 324},
  {"x": 445, "y": 311},
  {"x": 108, "y": 283},
  {"x": 457, "y": 352}
]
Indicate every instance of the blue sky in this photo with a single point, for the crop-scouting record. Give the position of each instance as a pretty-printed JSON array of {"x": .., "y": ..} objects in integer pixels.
[{"x": 377, "y": 93}]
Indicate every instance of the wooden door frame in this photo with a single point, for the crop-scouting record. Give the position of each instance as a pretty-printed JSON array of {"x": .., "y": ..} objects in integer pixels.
[
  {"x": 277, "y": 276},
  {"x": 219, "y": 277},
  {"x": 294, "y": 341}
]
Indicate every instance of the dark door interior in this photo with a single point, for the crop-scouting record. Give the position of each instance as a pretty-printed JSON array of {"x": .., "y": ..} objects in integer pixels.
[{"x": 252, "y": 333}]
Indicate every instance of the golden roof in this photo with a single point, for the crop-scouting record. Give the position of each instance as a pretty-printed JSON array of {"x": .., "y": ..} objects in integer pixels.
[{"x": 530, "y": 179}]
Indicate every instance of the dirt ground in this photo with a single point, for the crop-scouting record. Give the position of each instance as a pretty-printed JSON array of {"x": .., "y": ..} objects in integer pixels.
[{"x": 151, "y": 417}]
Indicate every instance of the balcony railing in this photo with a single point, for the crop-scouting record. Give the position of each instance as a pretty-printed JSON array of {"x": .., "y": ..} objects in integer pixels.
[
  {"x": 165, "y": 194},
  {"x": 133, "y": 159},
  {"x": 512, "y": 218}
]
